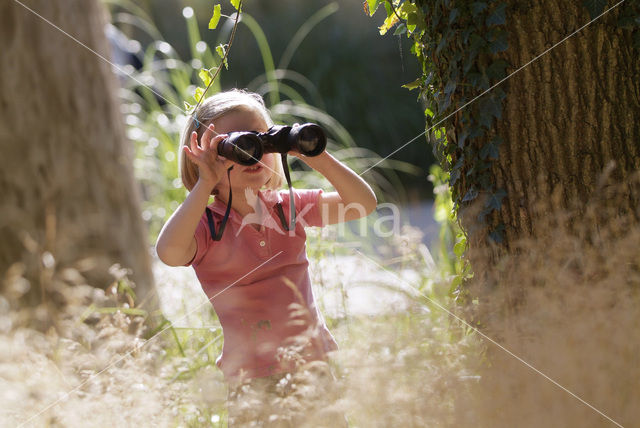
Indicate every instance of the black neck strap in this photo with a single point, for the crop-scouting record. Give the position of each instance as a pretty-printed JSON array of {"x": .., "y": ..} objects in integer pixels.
[
  {"x": 292, "y": 205},
  {"x": 212, "y": 226},
  {"x": 287, "y": 226}
]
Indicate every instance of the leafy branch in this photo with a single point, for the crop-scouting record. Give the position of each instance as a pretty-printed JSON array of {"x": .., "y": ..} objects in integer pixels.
[{"x": 222, "y": 51}]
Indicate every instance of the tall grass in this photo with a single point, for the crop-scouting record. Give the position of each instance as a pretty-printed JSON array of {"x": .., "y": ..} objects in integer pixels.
[{"x": 567, "y": 305}]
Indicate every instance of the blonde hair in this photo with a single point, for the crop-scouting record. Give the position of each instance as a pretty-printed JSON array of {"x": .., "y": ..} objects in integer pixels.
[{"x": 211, "y": 109}]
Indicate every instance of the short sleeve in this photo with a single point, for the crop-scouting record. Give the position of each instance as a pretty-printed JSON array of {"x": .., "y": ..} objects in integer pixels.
[
  {"x": 202, "y": 242},
  {"x": 308, "y": 208}
]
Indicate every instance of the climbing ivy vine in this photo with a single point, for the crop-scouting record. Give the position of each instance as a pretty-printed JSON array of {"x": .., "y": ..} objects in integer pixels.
[{"x": 460, "y": 45}]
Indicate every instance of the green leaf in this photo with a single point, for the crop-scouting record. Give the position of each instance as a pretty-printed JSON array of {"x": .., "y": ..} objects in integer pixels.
[
  {"x": 413, "y": 85},
  {"x": 455, "y": 172},
  {"x": 236, "y": 4},
  {"x": 595, "y": 7},
  {"x": 198, "y": 94},
  {"x": 498, "y": 234},
  {"x": 498, "y": 16},
  {"x": 495, "y": 199},
  {"x": 463, "y": 137},
  {"x": 489, "y": 150},
  {"x": 402, "y": 28},
  {"x": 450, "y": 87},
  {"x": 471, "y": 194},
  {"x": 389, "y": 22},
  {"x": 500, "y": 44},
  {"x": 459, "y": 248},
  {"x": 205, "y": 76},
  {"x": 497, "y": 69},
  {"x": 213, "y": 23},
  {"x": 221, "y": 50},
  {"x": 412, "y": 19},
  {"x": 371, "y": 6},
  {"x": 453, "y": 15},
  {"x": 477, "y": 7}
]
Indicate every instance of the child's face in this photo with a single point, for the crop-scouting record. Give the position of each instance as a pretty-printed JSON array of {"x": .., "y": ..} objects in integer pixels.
[{"x": 242, "y": 176}]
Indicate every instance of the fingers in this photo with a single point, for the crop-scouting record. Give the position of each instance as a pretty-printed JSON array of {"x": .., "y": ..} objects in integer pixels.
[
  {"x": 193, "y": 143},
  {"x": 189, "y": 153},
  {"x": 215, "y": 142},
  {"x": 205, "y": 141}
]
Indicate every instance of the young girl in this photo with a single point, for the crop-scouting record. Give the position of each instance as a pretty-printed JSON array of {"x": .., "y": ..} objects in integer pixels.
[{"x": 256, "y": 275}]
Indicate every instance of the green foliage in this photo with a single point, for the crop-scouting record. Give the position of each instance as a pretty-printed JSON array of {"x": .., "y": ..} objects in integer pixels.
[
  {"x": 450, "y": 253},
  {"x": 213, "y": 23}
]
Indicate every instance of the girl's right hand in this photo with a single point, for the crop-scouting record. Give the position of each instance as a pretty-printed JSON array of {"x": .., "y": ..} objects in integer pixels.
[{"x": 211, "y": 167}]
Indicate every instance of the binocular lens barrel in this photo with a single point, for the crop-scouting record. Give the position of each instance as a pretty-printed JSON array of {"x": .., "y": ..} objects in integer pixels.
[
  {"x": 308, "y": 139},
  {"x": 247, "y": 148},
  {"x": 244, "y": 148}
]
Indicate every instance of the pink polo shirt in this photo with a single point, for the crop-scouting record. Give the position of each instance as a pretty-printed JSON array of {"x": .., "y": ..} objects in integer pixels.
[{"x": 254, "y": 312}]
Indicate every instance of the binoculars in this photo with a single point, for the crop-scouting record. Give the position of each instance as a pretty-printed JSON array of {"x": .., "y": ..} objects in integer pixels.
[{"x": 247, "y": 148}]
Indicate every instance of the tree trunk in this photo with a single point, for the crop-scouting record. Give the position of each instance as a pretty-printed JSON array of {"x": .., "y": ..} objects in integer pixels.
[
  {"x": 68, "y": 197},
  {"x": 567, "y": 116}
]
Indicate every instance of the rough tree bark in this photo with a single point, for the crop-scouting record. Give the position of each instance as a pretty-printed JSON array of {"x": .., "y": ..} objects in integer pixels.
[
  {"x": 567, "y": 116},
  {"x": 68, "y": 195}
]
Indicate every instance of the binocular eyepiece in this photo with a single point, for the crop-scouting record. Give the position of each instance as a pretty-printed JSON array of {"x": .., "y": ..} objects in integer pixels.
[{"x": 247, "y": 148}]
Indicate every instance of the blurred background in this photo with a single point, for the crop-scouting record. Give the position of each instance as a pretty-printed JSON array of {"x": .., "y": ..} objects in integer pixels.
[{"x": 316, "y": 61}]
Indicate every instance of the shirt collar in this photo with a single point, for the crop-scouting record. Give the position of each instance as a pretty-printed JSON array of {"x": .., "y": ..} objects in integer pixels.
[{"x": 267, "y": 197}]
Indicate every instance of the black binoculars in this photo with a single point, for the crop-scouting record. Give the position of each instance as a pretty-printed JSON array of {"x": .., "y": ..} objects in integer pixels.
[{"x": 247, "y": 148}]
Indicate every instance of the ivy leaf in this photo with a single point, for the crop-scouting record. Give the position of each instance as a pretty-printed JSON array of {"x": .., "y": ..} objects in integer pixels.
[
  {"x": 213, "y": 23},
  {"x": 471, "y": 194},
  {"x": 412, "y": 19},
  {"x": 463, "y": 137},
  {"x": 451, "y": 86},
  {"x": 497, "y": 69},
  {"x": 498, "y": 16},
  {"x": 389, "y": 22},
  {"x": 402, "y": 28},
  {"x": 595, "y": 7},
  {"x": 453, "y": 15},
  {"x": 494, "y": 201},
  {"x": 498, "y": 234},
  {"x": 477, "y": 7},
  {"x": 454, "y": 175},
  {"x": 370, "y": 6},
  {"x": 459, "y": 248},
  {"x": 429, "y": 78},
  {"x": 489, "y": 150},
  {"x": 444, "y": 103},
  {"x": 428, "y": 113},
  {"x": 491, "y": 106},
  {"x": 413, "y": 85},
  {"x": 500, "y": 44},
  {"x": 236, "y": 4},
  {"x": 476, "y": 43}
]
